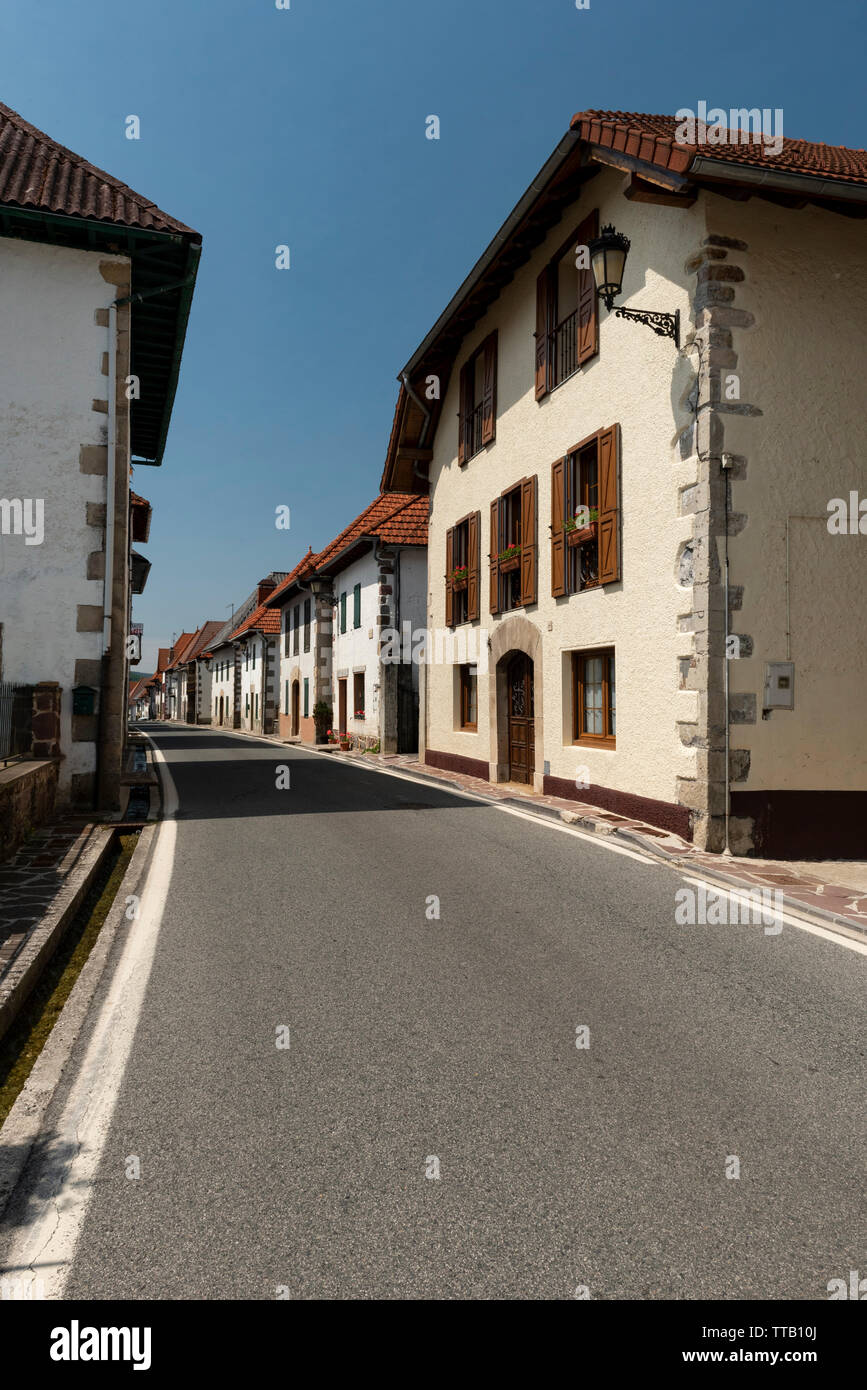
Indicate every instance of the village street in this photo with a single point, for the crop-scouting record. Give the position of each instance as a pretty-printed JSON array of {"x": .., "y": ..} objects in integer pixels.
[{"x": 340, "y": 1088}]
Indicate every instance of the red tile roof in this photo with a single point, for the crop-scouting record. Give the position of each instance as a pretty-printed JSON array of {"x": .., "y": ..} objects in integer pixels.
[
  {"x": 399, "y": 518},
  {"x": 265, "y": 619},
  {"x": 652, "y": 139},
  {"x": 305, "y": 567},
  {"x": 163, "y": 655},
  {"x": 37, "y": 172}
]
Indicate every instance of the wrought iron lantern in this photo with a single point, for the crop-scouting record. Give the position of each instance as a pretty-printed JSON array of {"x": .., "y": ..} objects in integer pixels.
[{"x": 608, "y": 254}]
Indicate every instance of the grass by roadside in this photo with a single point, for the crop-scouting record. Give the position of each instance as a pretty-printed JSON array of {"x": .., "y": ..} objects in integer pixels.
[{"x": 26, "y": 1038}]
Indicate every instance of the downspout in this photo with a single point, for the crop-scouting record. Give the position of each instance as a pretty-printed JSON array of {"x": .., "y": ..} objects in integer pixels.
[{"x": 726, "y": 461}]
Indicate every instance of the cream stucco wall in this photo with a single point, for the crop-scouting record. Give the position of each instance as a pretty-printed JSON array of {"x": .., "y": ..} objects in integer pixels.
[
  {"x": 52, "y": 369},
  {"x": 638, "y": 381},
  {"x": 801, "y": 364}
]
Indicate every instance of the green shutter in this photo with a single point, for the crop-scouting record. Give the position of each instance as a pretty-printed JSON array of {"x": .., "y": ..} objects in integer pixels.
[
  {"x": 343, "y": 612},
  {"x": 356, "y": 606},
  {"x": 306, "y": 697}
]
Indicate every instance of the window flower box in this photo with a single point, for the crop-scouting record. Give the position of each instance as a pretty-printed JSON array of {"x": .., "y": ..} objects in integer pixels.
[
  {"x": 460, "y": 578},
  {"x": 578, "y": 535},
  {"x": 509, "y": 559}
]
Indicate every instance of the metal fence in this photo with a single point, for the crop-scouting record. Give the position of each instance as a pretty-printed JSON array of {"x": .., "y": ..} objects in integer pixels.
[{"x": 16, "y": 714}]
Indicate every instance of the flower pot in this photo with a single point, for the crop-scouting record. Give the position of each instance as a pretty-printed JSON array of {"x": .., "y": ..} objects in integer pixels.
[
  {"x": 513, "y": 562},
  {"x": 581, "y": 534},
  {"x": 458, "y": 584}
]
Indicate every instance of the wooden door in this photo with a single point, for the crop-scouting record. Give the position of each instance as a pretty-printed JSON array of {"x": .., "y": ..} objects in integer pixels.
[
  {"x": 522, "y": 728},
  {"x": 341, "y": 706},
  {"x": 296, "y": 709}
]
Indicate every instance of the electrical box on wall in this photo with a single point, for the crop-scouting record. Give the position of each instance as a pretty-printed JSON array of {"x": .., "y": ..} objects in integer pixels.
[{"x": 779, "y": 685}]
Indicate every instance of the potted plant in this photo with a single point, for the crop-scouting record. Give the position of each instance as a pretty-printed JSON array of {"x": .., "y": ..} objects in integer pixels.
[
  {"x": 583, "y": 526},
  {"x": 359, "y": 714},
  {"x": 460, "y": 577},
  {"x": 509, "y": 559},
  {"x": 322, "y": 720},
  {"x": 345, "y": 743}
]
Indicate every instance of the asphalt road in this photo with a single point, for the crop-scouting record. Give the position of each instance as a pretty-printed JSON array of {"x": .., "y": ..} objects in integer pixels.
[{"x": 454, "y": 1039}]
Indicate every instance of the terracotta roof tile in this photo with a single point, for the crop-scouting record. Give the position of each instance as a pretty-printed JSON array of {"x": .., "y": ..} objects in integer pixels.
[
  {"x": 652, "y": 138},
  {"x": 266, "y": 619},
  {"x": 37, "y": 172},
  {"x": 398, "y": 517}
]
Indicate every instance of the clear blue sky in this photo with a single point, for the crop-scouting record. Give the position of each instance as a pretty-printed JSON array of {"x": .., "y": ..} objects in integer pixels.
[{"x": 307, "y": 127}]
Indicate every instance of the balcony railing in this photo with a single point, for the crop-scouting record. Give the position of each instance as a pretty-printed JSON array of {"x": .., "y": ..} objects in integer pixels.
[
  {"x": 473, "y": 430},
  {"x": 16, "y": 712},
  {"x": 563, "y": 347}
]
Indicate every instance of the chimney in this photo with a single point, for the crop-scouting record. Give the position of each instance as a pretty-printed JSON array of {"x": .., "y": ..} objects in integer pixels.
[{"x": 266, "y": 587}]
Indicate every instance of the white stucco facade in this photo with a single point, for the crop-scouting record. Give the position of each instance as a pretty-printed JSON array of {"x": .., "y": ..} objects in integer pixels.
[{"x": 53, "y": 410}]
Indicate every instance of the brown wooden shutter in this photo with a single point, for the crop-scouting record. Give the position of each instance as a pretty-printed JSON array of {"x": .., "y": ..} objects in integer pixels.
[
  {"x": 462, "y": 418},
  {"x": 489, "y": 400},
  {"x": 528, "y": 541},
  {"x": 450, "y": 548},
  {"x": 495, "y": 553},
  {"x": 474, "y": 535},
  {"x": 588, "y": 302},
  {"x": 543, "y": 298},
  {"x": 558, "y": 535},
  {"x": 609, "y": 504}
]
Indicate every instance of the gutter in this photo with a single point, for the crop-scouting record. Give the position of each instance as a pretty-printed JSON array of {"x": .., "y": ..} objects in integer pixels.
[{"x": 811, "y": 185}]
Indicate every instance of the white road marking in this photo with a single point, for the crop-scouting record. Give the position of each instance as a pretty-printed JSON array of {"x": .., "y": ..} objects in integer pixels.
[
  {"x": 47, "y": 1246},
  {"x": 839, "y": 939}
]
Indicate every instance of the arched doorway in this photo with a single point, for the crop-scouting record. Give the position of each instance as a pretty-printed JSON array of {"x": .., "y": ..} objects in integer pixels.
[
  {"x": 521, "y": 716},
  {"x": 296, "y": 708},
  {"x": 221, "y": 709}
]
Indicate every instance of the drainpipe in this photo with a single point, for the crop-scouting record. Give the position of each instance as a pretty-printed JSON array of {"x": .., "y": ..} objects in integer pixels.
[{"x": 726, "y": 462}]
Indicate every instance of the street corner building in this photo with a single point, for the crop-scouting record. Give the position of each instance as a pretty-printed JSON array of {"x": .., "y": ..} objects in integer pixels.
[
  {"x": 95, "y": 290},
  {"x": 635, "y": 423}
]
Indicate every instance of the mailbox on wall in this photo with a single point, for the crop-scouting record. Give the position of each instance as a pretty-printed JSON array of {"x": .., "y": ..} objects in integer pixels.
[{"x": 84, "y": 699}]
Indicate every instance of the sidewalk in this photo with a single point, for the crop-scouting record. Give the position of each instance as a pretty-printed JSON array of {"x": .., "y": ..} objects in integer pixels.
[{"x": 833, "y": 893}]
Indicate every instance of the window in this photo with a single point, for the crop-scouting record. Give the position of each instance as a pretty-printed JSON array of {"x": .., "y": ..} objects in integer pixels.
[
  {"x": 356, "y": 606},
  {"x": 567, "y": 318},
  {"x": 296, "y": 629},
  {"x": 285, "y": 697},
  {"x": 287, "y": 628},
  {"x": 256, "y": 716},
  {"x": 307, "y": 625},
  {"x": 358, "y": 694},
  {"x": 462, "y": 571},
  {"x": 254, "y": 656},
  {"x": 306, "y": 697},
  {"x": 513, "y": 548},
  {"x": 469, "y": 697},
  {"x": 343, "y": 611},
  {"x": 585, "y": 515},
  {"x": 477, "y": 409},
  {"x": 594, "y": 717}
]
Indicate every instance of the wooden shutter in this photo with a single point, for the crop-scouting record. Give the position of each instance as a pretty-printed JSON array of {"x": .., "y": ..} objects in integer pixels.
[
  {"x": 543, "y": 299},
  {"x": 463, "y": 407},
  {"x": 489, "y": 399},
  {"x": 528, "y": 541},
  {"x": 474, "y": 534},
  {"x": 588, "y": 302},
  {"x": 450, "y": 550},
  {"x": 558, "y": 535},
  {"x": 495, "y": 554},
  {"x": 609, "y": 505}
]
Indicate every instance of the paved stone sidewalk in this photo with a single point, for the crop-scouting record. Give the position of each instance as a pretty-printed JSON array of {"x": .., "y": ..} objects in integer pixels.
[{"x": 32, "y": 879}]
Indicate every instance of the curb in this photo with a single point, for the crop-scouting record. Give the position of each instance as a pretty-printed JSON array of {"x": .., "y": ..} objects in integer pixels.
[
  {"x": 24, "y": 1122},
  {"x": 25, "y": 970}
]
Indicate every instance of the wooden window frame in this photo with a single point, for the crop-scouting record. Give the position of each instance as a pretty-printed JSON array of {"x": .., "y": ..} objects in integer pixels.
[
  {"x": 528, "y": 567},
  {"x": 296, "y": 629},
  {"x": 306, "y": 697},
  {"x": 465, "y": 678},
  {"x": 579, "y": 738},
  {"x": 547, "y": 311},
  {"x": 356, "y": 677},
  {"x": 471, "y": 441},
  {"x": 307, "y": 620},
  {"x": 473, "y": 523}
]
